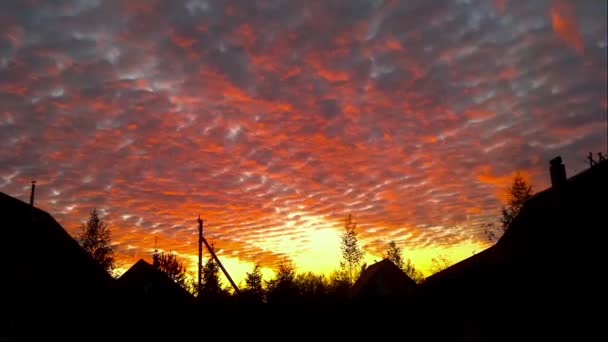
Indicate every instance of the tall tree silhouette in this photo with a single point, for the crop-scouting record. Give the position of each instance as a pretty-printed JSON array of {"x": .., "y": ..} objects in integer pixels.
[
  {"x": 282, "y": 289},
  {"x": 440, "y": 263},
  {"x": 254, "y": 290},
  {"x": 519, "y": 192},
  {"x": 352, "y": 253},
  {"x": 96, "y": 240},
  {"x": 211, "y": 289},
  {"x": 192, "y": 283},
  {"x": 173, "y": 268},
  {"x": 393, "y": 253},
  {"x": 211, "y": 285},
  {"x": 337, "y": 286},
  {"x": 312, "y": 287},
  {"x": 412, "y": 272}
]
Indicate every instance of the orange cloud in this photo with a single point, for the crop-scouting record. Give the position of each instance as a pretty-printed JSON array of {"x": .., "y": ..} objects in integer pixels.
[
  {"x": 273, "y": 122},
  {"x": 183, "y": 42},
  {"x": 508, "y": 74},
  {"x": 502, "y": 183},
  {"x": 565, "y": 24},
  {"x": 430, "y": 139}
]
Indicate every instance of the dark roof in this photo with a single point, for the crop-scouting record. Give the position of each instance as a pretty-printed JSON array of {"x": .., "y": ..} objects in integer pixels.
[
  {"x": 546, "y": 264},
  {"x": 142, "y": 282},
  {"x": 548, "y": 222},
  {"x": 42, "y": 262},
  {"x": 382, "y": 279}
]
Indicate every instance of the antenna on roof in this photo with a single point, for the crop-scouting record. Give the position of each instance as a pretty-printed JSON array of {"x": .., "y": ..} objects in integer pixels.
[
  {"x": 200, "y": 251},
  {"x": 590, "y": 159},
  {"x": 593, "y": 162},
  {"x": 32, "y": 193},
  {"x": 155, "y": 256}
]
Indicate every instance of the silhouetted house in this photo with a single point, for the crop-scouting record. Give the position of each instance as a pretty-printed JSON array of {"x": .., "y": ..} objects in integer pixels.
[
  {"x": 382, "y": 281},
  {"x": 542, "y": 277},
  {"x": 143, "y": 285},
  {"x": 44, "y": 270}
]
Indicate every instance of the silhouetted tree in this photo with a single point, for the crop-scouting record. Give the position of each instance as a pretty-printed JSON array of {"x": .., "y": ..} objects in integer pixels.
[
  {"x": 96, "y": 240},
  {"x": 412, "y": 272},
  {"x": 192, "y": 283},
  {"x": 211, "y": 281},
  {"x": 312, "y": 287},
  {"x": 254, "y": 290},
  {"x": 393, "y": 253},
  {"x": 173, "y": 268},
  {"x": 282, "y": 289},
  {"x": 519, "y": 192},
  {"x": 338, "y": 286},
  {"x": 440, "y": 263},
  {"x": 211, "y": 290},
  {"x": 352, "y": 253}
]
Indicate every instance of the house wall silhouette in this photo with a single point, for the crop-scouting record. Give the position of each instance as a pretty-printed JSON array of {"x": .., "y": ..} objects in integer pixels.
[{"x": 541, "y": 279}]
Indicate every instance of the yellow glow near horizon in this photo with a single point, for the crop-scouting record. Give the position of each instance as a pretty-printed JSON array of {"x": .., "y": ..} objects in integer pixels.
[
  {"x": 423, "y": 257},
  {"x": 321, "y": 252},
  {"x": 323, "y": 257}
]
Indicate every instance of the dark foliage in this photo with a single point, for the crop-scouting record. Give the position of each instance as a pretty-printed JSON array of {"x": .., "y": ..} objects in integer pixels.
[
  {"x": 96, "y": 240},
  {"x": 168, "y": 263}
]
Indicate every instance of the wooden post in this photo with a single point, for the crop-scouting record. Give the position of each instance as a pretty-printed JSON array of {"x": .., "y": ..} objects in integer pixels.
[{"x": 219, "y": 263}]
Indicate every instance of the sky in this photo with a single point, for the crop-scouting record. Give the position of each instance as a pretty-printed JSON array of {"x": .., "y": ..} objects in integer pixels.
[{"x": 273, "y": 119}]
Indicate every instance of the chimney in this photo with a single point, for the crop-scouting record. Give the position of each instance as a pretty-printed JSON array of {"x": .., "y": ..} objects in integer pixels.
[
  {"x": 32, "y": 193},
  {"x": 558, "y": 172}
]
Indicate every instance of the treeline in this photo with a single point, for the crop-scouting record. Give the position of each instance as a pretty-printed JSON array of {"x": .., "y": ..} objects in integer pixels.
[{"x": 288, "y": 286}]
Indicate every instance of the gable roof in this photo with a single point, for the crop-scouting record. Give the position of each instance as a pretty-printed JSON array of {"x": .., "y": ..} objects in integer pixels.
[
  {"x": 146, "y": 283},
  {"x": 382, "y": 279},
  {"x": 546, "y": 223},
  {"x": 579, "y": 200},
  {"x": 545, "y": 265},
  {"x": 44, "y": 263}
]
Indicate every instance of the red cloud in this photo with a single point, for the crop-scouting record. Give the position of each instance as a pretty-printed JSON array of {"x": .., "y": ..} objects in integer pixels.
[
  {"x": 274, "y": 123},
  {"x": 565, "y": 24},
  {"x": 501, "y": 5}
]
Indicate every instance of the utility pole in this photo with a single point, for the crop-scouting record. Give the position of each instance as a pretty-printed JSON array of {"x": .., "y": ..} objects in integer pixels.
[
  {"x": 200, "y": 252},
  {"x": 202, "y": 240},
  {"x": 219, "y": 263}
]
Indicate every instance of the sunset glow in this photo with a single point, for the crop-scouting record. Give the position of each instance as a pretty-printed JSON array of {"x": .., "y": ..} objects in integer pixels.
[{"x": 274, "y": 120}]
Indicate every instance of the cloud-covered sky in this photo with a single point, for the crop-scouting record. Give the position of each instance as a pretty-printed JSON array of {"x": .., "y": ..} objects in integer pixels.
[{"x": 274, "y": 119}]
